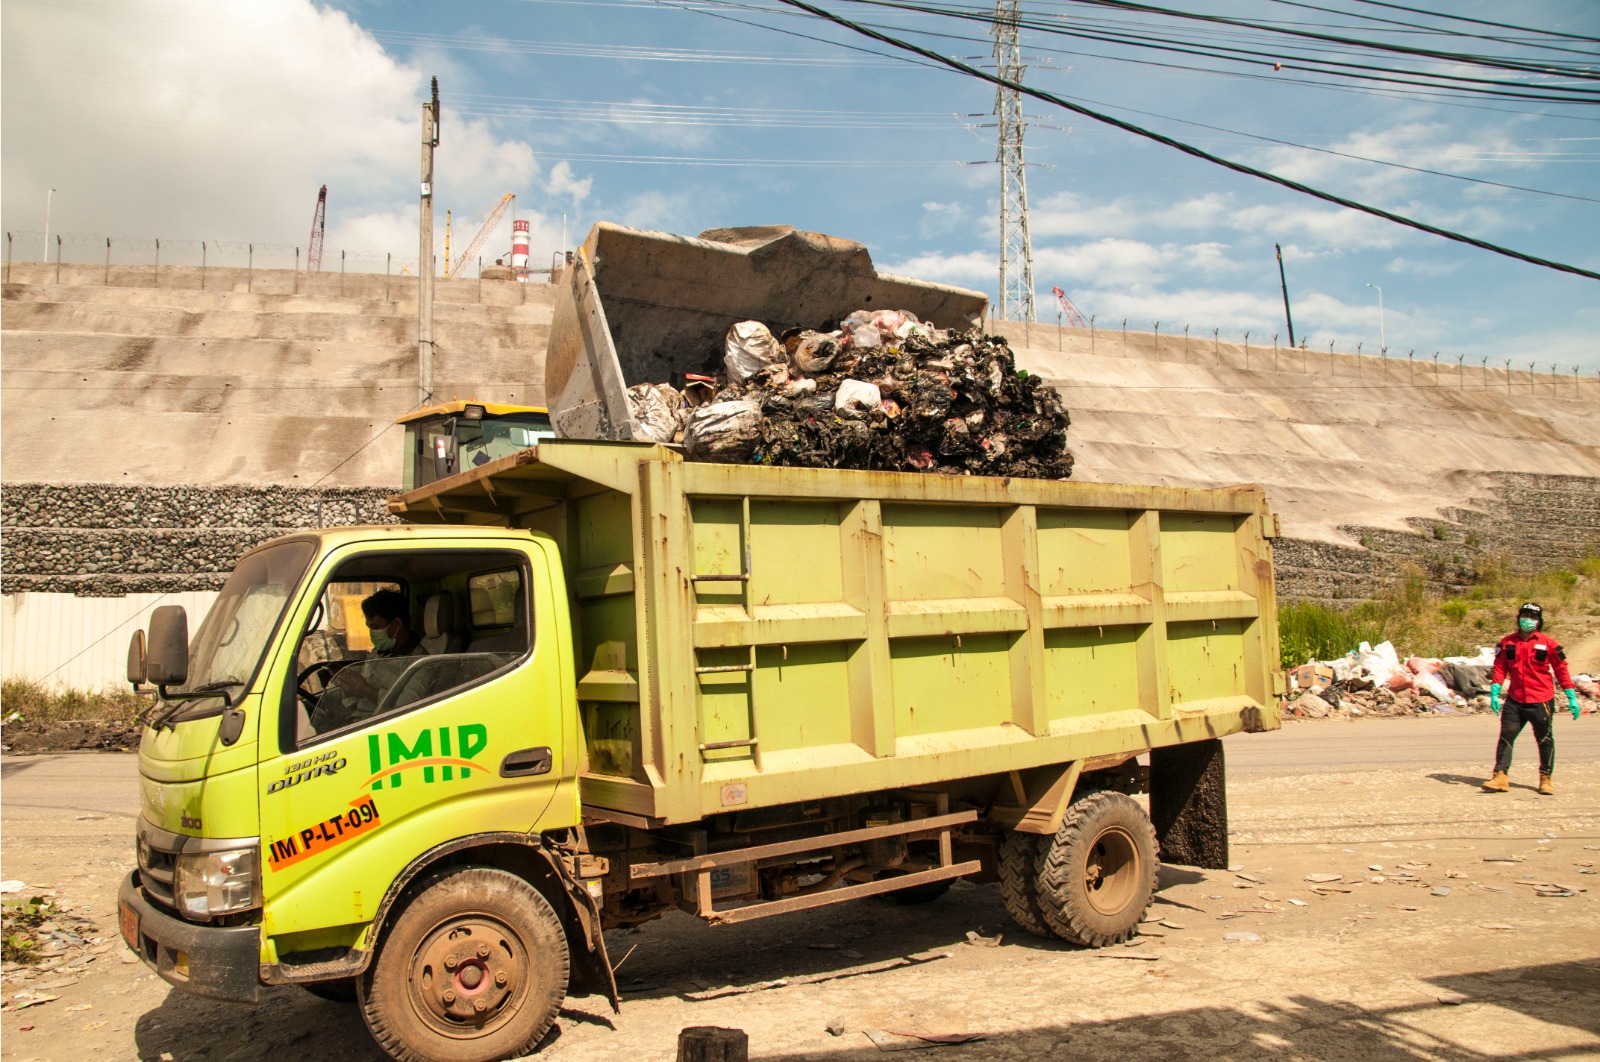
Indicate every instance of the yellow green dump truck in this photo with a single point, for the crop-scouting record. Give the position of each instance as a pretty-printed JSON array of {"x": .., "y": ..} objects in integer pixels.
[{"x": 592, "y": 682}]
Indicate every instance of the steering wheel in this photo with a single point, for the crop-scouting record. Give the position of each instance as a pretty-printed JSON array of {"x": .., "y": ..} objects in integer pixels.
[{"x": 324, "y": 672}]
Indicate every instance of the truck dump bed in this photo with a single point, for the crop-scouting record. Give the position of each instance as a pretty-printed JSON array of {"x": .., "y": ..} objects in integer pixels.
[
  {"x": 751, "y": 636},
  {"x": 647, "y": 307}
]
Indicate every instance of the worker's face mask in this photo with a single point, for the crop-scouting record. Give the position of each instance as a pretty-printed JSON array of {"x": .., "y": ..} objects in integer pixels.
[
  {"x": 382, "y": 640},
  {"x": 1527, "y": 624}
]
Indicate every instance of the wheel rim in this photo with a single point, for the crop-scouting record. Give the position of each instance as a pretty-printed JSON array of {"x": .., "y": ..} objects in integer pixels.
[
  {"x": 1111, "y": 871},
  {"x": 468, "y": 976}
]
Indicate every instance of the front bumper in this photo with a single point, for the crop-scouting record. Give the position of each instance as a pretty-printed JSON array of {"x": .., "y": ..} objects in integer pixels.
[{"x": 222, "y": 962}]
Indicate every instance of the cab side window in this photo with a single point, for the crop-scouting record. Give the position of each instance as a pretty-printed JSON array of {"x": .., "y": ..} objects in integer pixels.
[{"x": 393, "y": 631}]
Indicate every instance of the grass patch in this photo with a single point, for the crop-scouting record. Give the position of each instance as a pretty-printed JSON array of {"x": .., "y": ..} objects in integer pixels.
[
  {"x": 1420, "y": 623},
  {"x": 35, "y": 702}
]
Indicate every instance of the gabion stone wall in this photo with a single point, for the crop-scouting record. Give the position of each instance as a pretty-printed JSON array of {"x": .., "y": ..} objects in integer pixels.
[
  {"x": 108, "y": 539},
  {"x": 1531, "y": 522},
  {"x": 98, "y": 540}
]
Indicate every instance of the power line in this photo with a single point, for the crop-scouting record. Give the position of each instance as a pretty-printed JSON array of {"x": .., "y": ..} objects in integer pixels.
[{"x": 1189, "y": 149}]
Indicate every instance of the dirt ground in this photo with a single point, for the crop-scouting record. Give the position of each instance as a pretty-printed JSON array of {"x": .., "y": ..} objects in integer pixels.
[{"x": 1442, "y": 939}]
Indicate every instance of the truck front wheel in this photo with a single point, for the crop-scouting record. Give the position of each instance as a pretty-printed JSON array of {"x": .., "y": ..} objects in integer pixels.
[
  {"x": 473, "y": 969},
  {"x": 1098, "y": 875}
]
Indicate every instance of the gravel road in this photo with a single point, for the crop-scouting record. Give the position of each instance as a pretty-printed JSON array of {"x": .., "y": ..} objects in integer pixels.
[{"x": 1447, "y": 951}]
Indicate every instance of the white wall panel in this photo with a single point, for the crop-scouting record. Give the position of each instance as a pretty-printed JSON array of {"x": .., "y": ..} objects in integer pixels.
[{"x": 81, "y": 642}]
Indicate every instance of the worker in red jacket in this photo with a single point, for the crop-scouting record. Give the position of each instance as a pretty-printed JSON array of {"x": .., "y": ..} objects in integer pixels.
[{"x": 1524, "y": 666}]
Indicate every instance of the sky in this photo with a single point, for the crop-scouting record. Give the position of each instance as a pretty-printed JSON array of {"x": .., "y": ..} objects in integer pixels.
[{"x": 218, "y": 120}]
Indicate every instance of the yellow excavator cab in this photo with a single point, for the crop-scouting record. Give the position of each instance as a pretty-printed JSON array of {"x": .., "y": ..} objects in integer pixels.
[{"x": 444, "y": 439}]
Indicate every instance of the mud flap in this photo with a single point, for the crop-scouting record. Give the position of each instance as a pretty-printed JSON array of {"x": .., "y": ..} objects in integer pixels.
[
  {"x": 591, "y": 966},
  {"x": 1189, "y": 804}
]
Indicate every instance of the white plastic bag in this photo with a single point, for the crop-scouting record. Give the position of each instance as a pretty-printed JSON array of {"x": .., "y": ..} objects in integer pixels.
[
  {"x": 1381, "y": 662},
  {"x": 857, "y": 398},
  {"x": 659, "y": 409},
  {"x": 724, "y": 432},
  {"x": 749, "y": 348}
]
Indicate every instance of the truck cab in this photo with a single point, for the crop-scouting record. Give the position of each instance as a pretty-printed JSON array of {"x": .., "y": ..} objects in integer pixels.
[{"x": 296, "y": 778}]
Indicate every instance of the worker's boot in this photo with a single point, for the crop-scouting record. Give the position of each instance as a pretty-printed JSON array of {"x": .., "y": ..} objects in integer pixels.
[
  {"x": 1498, "y": 784},
  {"x": 1545, "y": 785}
]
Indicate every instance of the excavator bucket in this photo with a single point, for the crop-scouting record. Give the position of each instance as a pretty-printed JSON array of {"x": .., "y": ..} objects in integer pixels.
[{"x": 648, "y": 307}]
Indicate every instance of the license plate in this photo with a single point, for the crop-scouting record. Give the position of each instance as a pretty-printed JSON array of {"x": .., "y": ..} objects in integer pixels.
[{"x": 129, "y": 919}]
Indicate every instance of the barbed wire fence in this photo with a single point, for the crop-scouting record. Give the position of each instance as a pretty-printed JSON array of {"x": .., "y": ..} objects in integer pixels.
[
  {"x": 146, "y": 261},
  {"x": 139, "y": 262},
  {"x": 1350, "y": 367}
]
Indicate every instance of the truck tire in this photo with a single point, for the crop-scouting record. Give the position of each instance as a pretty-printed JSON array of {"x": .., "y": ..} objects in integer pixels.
[
  {"x": 472, "y": 969},
  {"x": 1098, "y": 874},
  {"x": 1019, "y": 876}
]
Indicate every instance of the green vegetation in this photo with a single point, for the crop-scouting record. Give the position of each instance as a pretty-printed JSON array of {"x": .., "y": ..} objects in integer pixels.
[
  {"x": 35, "y": 702},
  {"x": 1420, "y": 623},
  {"x": 21, "y": 920}
]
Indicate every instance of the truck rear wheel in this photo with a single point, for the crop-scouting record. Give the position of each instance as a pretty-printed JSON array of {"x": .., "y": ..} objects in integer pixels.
[
  {"x": 1098, "y": 875},
  {"x": 473, "y": 969},
  {"x": 1019, "y": 876}
]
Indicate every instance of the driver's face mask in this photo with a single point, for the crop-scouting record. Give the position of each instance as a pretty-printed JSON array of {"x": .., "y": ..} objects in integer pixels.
[
  {"x": 382, "y": 640},
  {"x": 1527, "y": 624}
]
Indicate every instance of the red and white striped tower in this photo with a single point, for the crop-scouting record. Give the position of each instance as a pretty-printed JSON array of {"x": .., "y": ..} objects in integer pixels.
[{"x": 519, "y": 250}]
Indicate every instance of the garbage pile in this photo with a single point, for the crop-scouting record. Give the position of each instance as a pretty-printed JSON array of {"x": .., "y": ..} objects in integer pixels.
[
  {"x": 1373, "y": 680},
  {"x": 883, "y": 392}
]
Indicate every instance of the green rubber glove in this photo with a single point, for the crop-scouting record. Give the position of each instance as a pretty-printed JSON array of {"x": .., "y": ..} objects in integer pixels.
[
  {"x": 1494, "y": 698},
  {"x": 1572, "y": 702}
]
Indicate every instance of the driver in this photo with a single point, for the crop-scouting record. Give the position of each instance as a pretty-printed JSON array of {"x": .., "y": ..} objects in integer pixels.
[{"x": 357, "y": 690}]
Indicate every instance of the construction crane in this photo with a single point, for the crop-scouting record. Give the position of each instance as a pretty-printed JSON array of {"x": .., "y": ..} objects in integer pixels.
[
  {"x": 495, "y": 214},
  {"x": 1069, "y": 311},
  {"x": 318, "y": 222}
]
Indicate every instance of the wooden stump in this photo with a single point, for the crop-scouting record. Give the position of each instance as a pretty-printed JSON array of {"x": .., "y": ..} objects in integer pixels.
[{"x": 711, "y": 1043}]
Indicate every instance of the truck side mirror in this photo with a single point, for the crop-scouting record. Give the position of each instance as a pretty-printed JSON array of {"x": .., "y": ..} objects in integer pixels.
[
  {"x": 136, "y": 659},
  {"x": 167, "y": 651}
]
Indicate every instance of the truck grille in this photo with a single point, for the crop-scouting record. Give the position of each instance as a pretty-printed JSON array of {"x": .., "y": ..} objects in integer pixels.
[{"x": 158, "y": 860}]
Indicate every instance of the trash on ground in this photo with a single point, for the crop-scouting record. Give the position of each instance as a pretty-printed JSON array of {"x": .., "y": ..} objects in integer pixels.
[{"x": 1247, "y": 937}]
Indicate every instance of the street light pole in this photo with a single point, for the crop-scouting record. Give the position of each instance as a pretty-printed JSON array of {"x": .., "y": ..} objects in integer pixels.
[
  {"x": 48, "y": 196},
  {"x": 1382, "y": 345}
]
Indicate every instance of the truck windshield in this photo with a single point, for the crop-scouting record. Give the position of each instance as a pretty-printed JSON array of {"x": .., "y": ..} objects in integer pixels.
[{"x": 228, "y": 648}]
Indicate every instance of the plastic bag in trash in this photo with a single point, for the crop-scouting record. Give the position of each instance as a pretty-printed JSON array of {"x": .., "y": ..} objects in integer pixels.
[
  {"x": 857, "y": 397},
  {"x": 1468, "y": 680},
  {"x": 812, "y": 352},
  {"x": 749, "y": 349},
  {"x": 1434, "y": 685},
  {"x": 725, "y": 432},
  {"x": 659, "y": 409}
]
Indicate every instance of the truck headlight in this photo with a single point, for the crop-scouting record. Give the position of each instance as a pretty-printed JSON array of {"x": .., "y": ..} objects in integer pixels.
[{"x": 207, "y": 884}]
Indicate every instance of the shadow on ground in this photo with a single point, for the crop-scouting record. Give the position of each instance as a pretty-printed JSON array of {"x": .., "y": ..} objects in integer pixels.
[{"x": 1472, "y": 1027}]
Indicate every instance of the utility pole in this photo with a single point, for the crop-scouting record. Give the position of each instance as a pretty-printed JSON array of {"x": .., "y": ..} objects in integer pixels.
[
  {"x": 48, "y": 196},
  {"x": 1016, "y": 248},
  {"x": 1284, "y": 283},
  {"x": 430, "y": 140},
  {"x": 1383, "y": 343}
]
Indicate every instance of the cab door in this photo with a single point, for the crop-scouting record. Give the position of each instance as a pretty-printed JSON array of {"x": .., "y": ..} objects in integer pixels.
[{"x": 469, "y": 735}]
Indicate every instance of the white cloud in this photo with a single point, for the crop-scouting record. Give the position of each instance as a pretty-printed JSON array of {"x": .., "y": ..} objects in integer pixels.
[
  {"x": 563, "y": 183},
  {"x": 941, "y": 218},
  {"x": 206, "y": 119},
  {"x": 971, "y": 268},
  {"x": 1402, "y": 266}
]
